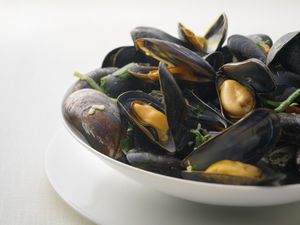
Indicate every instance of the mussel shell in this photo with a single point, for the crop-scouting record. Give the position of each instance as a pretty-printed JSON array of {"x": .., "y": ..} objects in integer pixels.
[
  {"x": 217, "y": 33},
  {"x": 283, "y": 77},
  {"x": 209, "y": 118},
  {"x": 175, "y": 107},
  {"x": 286, "y": 52},
  {"x": 244, "y": 48},
  {"x": 116, "y": 85},
  {"x": 227, "y": 54},
  {"x": 282, "y": 158},
  {"x": 124, "y": 55},
  {"x": 247, "y": 141},
  {"x": 154, "y": 162},
  {"x": 220, "y": 178},
  {"x": 268, "y": 178},
  {"x": 102, "y": 129},
  {"x": 215, "y": 59},
  {"x": 151, "y": 32},
  {"x": 96, "y": 75},
  {"x": 173, "y": 54},
  {"x": 251, "y": 73},
  {"x": 124, "y": 102},
  {"x": 261, "y": 38},
  {"x": 290, "y": 124}
]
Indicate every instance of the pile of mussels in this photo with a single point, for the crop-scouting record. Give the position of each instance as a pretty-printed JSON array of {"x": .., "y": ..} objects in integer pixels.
[{"x": 193, "y": 108}]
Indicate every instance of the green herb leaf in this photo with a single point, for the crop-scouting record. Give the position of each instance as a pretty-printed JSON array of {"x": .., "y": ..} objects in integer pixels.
[
  {"x": 89, "y": 80},
  {"x": 200, "y": 137},
  {"x": 123, "y": 72},
  {"x": 127, "y": 141},
  {"x": 290, "y": 100}
]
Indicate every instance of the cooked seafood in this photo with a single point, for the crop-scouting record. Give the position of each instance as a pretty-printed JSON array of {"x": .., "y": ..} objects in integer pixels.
[{"x": 193, "y": 108}]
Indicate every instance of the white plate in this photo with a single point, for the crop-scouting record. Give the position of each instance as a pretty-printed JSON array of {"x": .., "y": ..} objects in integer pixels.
[
  {"x": 217, "y": 194},
  {"x": 109, "y": 198}
]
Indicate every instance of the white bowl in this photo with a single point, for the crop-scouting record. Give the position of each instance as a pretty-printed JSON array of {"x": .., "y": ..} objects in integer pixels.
[{"x": 202, "y": 192}]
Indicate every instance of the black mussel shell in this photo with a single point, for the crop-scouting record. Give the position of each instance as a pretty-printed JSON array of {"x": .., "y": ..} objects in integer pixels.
[
  {"x": 261, "y": 39},
  {"x": 282, "y": 158},
  {"x": 268, "y": 178},
  {"x": 151, "y": 32},
  {"x": 209, "y": 118},
  {"x": 227, "y": 54},
  {"x": 217, "y": 33},
  {"x": 114, "y": 85},
  {"x": 124, "y": 55},
  {"x": 215, "y": 59},
  {"x": 124, "y": 102},
  {"x": 175, "y": 107},
  {"x": 252, "y": 73},
  {"x": 173, "y": 54},
  {"x": 286, "y": 52},
  {"x": 290, "y": 124},
  {"x": 154, "y": 161},
  {"x": 96, "y": 75},
  {"x": 248, "y": 140},
  {"x": 243, "y": 48},
  {"x": 101, "y": 128}
]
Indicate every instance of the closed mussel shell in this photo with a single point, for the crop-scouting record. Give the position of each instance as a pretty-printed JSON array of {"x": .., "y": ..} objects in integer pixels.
[
  {"x": 243, "y": 48},
  {"x": 95, "y": 75},
  {"x": 97, "y": 118}
]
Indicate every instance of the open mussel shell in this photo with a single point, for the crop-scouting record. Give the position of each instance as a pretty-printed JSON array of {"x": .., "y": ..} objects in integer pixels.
[
  {"x": 269, "y": 177},
  {"x": 248, "y": 140},
  {"x": 196, "y": 43},
  {"x": 176, "y": 55},
  {"x": 175, "y": 107},
  {"x": 243, "y": 48},
  {"x": 125, "y": 101},
  {"x": 96, "y": 75},
  {"x": 251, "y": 73},
  {"x": 211, "y": 41},
  {"x": 216, "y": 34},
  {"x": 151, "y": 32},
  {"x": 286, "y": 52},
  {"x": 101, "y": 126},
  {"x": 209, "y": 118},
  {"x": 124, "y": 55}
]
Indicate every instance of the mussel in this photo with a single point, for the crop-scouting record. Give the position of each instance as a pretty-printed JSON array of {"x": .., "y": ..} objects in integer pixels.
[
  {"x": 176, "y": 55},
  {"x": 97, "y": 118},
  {"x": 238, "y": 84},
  {"x": 235, "y": 173},
  {"x": 211, "y": 41},
  {"x": 243, "y": 48},
  {"x": 94, "y": 75},
  {"x": 257, "y": 134},
  {"x": 286, "y": 53},
  {"x": 124, "y": 55}
]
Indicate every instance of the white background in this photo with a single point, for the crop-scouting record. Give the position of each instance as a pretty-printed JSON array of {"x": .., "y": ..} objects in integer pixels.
[{"x": 43, "y": 42}]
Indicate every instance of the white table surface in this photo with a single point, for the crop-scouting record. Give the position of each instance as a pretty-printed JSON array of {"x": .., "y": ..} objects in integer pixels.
[{"x": 43, "y": 42}]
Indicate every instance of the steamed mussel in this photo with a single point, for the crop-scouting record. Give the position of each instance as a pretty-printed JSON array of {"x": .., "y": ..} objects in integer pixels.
[{"x": 201, "y": 108}]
